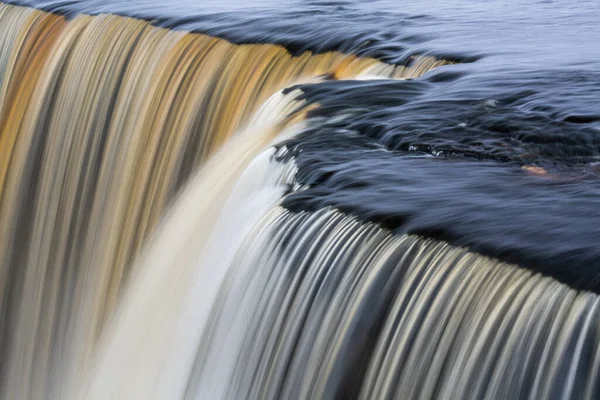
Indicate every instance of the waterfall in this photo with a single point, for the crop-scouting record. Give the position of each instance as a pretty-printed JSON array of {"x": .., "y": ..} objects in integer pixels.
[
  {"x": 146, "y": 252},
  {"x": 104, "y": 118},
  {"x": 321, "y": 305}
]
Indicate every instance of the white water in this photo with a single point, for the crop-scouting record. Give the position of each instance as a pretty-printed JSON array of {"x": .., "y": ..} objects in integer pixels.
[{"x": 148, "y": 351}]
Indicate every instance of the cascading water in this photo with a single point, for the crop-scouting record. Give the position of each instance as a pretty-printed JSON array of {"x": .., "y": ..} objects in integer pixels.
[
  {"x": 191, "y": 210},
  {"x": 104, "y": 119}
]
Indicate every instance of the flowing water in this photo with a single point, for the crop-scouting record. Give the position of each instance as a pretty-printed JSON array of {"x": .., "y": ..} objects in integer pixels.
[{"x": 321, "y": 199}]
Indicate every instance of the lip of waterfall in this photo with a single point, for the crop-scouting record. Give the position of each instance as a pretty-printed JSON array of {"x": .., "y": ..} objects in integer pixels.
[
  {"x": 513, "y": 181},
  {"x": 291, "y": 27}
]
